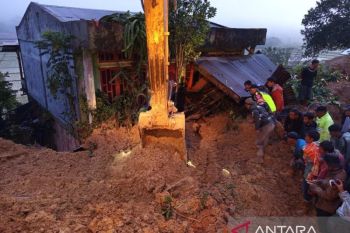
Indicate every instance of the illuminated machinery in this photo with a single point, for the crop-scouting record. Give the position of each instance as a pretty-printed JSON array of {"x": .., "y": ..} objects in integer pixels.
[{"x": 157, "y": 125}]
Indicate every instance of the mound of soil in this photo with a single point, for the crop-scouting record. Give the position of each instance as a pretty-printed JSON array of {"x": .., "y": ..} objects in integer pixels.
[{"x": 117, "y": 186}]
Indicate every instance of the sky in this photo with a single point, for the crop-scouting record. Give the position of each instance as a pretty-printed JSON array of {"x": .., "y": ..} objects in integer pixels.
[{"x": 282, "y": 18}]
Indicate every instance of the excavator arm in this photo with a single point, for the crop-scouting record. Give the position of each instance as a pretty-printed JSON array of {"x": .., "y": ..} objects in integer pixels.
[{"x": 157, "y": 125}]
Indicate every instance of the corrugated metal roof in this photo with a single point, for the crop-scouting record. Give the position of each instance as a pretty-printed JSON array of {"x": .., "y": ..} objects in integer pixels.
[
  {"x": 66, "y": 14},
  {"x": 232, "y": 72}
]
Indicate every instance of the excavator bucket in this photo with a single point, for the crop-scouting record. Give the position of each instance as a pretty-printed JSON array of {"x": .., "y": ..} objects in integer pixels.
[
  {"x": 159, "y": 126},
  {"x": 172, "y": 134}
]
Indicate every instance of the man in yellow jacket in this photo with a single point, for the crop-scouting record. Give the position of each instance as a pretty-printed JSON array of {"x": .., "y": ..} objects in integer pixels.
[{"x": 324, "y": 120}]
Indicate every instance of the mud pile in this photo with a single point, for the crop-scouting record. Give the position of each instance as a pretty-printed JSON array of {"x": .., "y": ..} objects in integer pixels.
[{"x": 119, "y": 187}]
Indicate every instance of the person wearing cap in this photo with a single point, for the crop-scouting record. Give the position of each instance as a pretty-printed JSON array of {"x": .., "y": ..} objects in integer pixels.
[
  {"x": 293, "y": 139},
  {"x": 264, "y": 125},
  {"x": 323, "y": 120},
  {"x": 276, "y": 93},
  {"x": 307, "y": 76},
  {"x": 262, "y": 98}
]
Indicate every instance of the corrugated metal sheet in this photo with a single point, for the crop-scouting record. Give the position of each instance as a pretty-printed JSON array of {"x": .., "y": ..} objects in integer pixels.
[
  {"x": 66, "y": 14},
  {"x": 232, "y": 72}
]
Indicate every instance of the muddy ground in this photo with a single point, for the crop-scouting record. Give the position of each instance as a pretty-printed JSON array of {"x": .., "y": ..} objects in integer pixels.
[{"x": 120, "y": 187}]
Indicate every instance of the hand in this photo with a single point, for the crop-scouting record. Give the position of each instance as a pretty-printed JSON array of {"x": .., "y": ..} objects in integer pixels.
[{"x": 340, "y": 186}]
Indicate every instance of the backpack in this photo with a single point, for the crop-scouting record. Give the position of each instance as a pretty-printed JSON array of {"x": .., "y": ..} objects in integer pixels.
[{"x": 269, "y": 101}]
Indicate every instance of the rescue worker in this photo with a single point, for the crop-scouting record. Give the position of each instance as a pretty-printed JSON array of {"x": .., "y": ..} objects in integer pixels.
[
  {"x": 262, "y": 99},
  {"x": 264, "y": 125}
]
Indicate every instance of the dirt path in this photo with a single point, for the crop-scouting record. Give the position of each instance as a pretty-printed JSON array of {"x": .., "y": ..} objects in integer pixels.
[{"x": 121, "y": 187}]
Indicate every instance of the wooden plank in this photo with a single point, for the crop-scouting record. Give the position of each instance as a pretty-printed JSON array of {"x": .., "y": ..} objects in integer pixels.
[
  {"x": 89, "y": 80},
  {"x": 115, "y": 64}
]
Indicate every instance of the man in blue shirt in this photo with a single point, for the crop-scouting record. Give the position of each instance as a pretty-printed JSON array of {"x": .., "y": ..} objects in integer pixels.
[{"x": 294, "y": 140}]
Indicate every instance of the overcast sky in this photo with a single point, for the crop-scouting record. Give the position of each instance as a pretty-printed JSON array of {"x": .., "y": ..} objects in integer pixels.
[{"x": 282, "y": 18}]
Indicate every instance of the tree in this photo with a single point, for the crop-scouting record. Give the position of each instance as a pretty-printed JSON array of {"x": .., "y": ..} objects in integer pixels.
[
  {"x": 8, "y": 96},
  {"x": 278, "y": 55},
  {"x": 327, "y": 26},
  {"x": 188, "y": 27}
]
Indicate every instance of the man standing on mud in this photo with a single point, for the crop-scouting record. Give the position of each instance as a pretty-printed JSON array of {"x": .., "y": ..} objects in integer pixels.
[
  {"x": 264, "y": 125},
  {"x": 308, "y": 74}
]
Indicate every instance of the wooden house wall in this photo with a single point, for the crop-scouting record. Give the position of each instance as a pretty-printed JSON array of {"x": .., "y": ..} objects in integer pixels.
[{"x": 35, "y": 22}]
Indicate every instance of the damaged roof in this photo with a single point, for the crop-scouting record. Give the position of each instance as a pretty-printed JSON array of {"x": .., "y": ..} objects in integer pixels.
[
  {"x": 229, "y": 73},
  {"x": 67, "y": 14}
]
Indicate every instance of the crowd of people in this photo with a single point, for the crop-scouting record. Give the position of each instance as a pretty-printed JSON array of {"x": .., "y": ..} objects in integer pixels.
[{"x": 321, "y": 148}]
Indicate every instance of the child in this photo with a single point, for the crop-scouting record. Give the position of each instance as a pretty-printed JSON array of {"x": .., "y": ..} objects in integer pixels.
[
  {"x": 309, "y": 122},
  {"x": 311, "y": 154}
]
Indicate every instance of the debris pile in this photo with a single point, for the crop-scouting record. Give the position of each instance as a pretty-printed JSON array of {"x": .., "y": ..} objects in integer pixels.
[{"x": 116, "y": 186}]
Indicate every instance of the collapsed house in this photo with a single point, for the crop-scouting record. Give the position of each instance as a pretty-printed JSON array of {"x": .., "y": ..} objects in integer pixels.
[
  {"x": 228, "y": 59},
  {"x": 97, "y": 59}
]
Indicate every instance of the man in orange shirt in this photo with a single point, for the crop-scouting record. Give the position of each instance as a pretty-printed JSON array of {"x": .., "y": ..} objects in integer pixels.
[{"x": 276, "y": 93}]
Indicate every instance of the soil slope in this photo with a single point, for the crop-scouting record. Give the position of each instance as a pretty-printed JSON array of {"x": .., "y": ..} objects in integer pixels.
[{"x": 120, "y": 187}]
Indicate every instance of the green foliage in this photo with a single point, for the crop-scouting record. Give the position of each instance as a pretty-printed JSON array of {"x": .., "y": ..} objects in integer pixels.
[
  {"x": 60, "y": 79},
  {"x": 103, "y": 112},
  {"x": 321, "y": 93},
  {"x": 8, "y": 96},
  {"x": 278, "y": 55},
  {"x": 128, "y": 104},
  {"x": 134, "y": 36},
  {"x": 327, "y": 26},
  {"x": 167, "y": 208},
  {"x": 189, "y": 27},
  {"x": 203, "y": 200}
]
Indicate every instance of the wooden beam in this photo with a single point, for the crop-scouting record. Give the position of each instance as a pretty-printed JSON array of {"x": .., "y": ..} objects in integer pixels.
[{"x": 115, "y": 64}]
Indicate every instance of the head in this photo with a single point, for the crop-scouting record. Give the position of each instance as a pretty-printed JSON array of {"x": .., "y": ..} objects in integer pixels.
[
  {"x": 314, "y": 64},
  {"x": 247, "y": 85},
  {"x": 332, "y": 160},
  {"x": 312, "y": 136},
  {"x": 326, "y": 147},
  {"x": 253, "y": 89},
  {"x": 347, "y": 112},
  {"x": 308, "y": 118},
  {"x": 270, "y": 82},
  {"x": 321, "y": 111},
  {"x": 335, "y": 131},
  {"x": 249, "y": 103},
  {"x": 292, "y": 138},
  {"x": 293, "y": 114}
]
